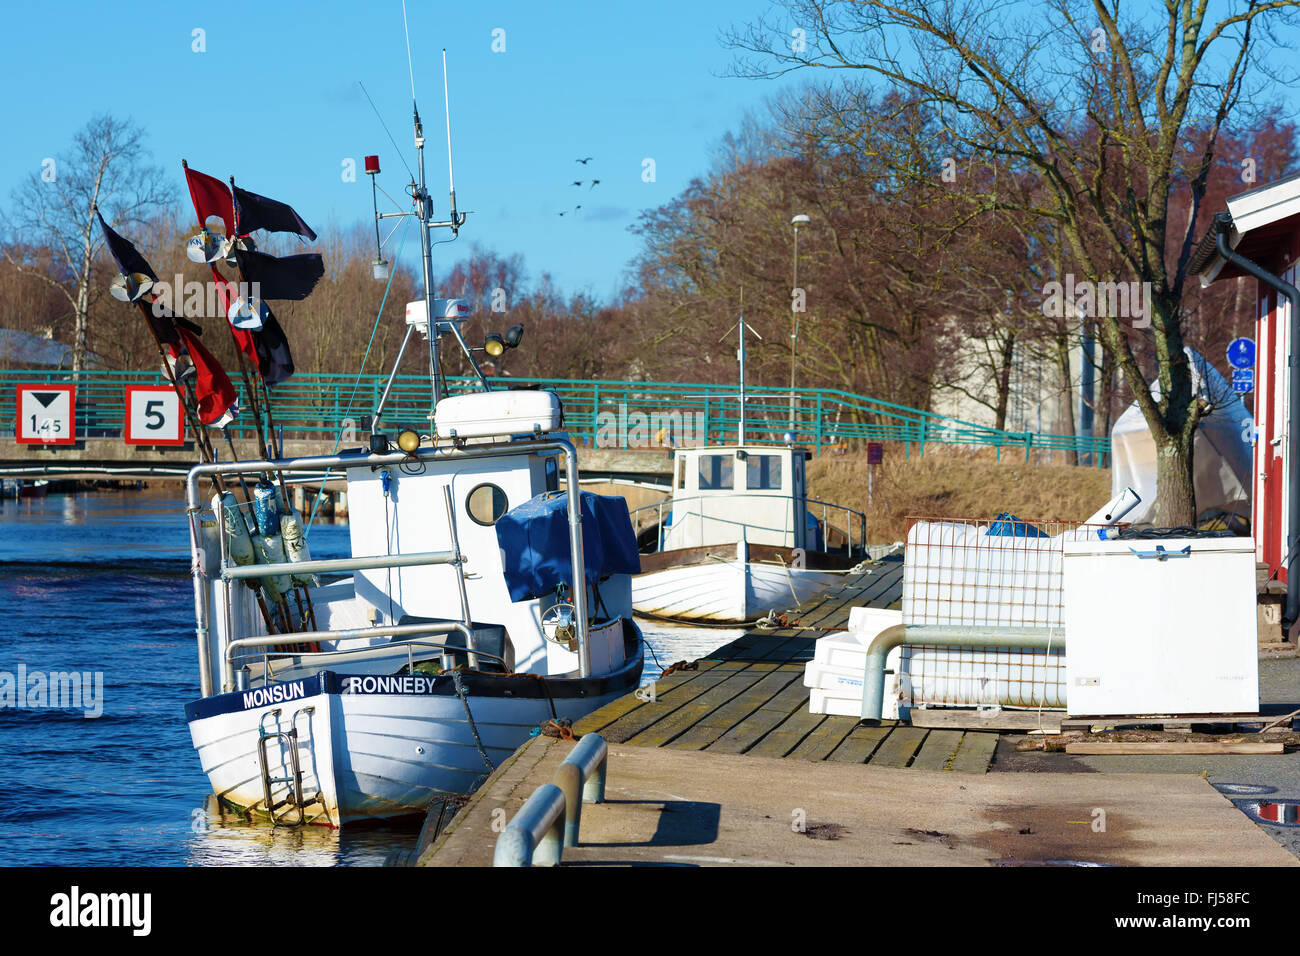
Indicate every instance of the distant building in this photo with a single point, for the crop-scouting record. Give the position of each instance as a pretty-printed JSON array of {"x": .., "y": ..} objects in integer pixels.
[{"x": 25, "y": 350}]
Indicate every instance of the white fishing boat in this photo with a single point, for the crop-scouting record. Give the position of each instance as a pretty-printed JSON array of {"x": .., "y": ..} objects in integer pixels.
[
  {"x": 736, "y": 540},
  {"x": 477, "y": 603},
  {"x": 454, "y": 633}
]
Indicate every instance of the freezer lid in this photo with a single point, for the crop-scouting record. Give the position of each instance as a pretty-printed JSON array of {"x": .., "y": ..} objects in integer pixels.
[{"x": 1126, "y": 546}]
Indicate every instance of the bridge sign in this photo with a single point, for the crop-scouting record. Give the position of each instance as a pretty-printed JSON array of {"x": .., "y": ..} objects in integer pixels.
[
  {"x": 153, "y": 416},
  {"x": 1243, "y": 379},
  {"x": 46, "y": 415}
]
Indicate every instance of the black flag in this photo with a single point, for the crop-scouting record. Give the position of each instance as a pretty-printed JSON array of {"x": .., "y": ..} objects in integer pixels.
[
  {"x": 274, "y": 361},
  {"x": 130, "y": 262},
  {"x": 128, "y": 258},
  {"x": 258, "y": 212},
  {"x": 283, "y": 277}
]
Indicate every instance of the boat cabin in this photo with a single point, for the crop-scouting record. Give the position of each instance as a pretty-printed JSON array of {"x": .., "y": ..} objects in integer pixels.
[{"x": 726, "y": 494}]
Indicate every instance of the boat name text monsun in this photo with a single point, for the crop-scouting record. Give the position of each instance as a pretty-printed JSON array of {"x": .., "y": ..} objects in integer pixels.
[{"x": 275, "y": 694}]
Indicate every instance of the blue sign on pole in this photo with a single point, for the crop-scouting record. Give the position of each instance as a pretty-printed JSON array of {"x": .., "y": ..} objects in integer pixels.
[
  {"x": 1243, "y": 379},
  {"x": 1241, "y": 353}
]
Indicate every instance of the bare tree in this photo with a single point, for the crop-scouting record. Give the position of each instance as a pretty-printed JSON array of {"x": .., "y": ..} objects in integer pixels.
[
  {"x": 105, "y": 166},
  {"x": 1095, "y": 101}
]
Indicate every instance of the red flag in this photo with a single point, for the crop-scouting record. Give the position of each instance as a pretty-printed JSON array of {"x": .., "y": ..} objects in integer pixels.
[
  {"x": 211, "y": 198},
  {"x": 211, "y": 384},
  {"x": 243, "y": 337}
]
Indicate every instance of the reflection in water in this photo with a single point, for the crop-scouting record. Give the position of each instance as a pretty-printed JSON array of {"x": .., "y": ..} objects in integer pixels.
[
  {"x": 225, "y": 838},
  {"x": 669, "y": 643}
]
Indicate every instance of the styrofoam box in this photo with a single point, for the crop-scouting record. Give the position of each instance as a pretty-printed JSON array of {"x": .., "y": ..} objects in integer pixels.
[
  {"x": 489, "y": 414},
  {"x": 834, "y": 675}
]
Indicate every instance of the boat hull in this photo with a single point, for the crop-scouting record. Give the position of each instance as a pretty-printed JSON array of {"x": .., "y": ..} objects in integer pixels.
[
  {"x": 718, "y": 590},
  {"x": 374, "y": 746}
]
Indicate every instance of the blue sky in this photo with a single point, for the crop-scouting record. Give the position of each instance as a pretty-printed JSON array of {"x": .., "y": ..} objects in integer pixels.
[{"x": 274, "y": 101}]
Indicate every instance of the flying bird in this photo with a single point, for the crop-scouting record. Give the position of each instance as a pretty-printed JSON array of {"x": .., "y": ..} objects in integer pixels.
[
  {"x": 576, "y": 182},
  {"x": 559, "y": 214},
  {"x": 584, "y": 161},
  {"x": 594, "y": 184}
]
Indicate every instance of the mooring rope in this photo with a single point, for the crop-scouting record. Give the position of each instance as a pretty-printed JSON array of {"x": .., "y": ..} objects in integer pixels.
[{"x": 469, "y": 715}]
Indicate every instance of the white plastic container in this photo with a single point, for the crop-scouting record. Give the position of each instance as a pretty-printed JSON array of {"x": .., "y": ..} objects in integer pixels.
[
  {"x": 834, "y": 675},
  {"x": 498, "y": 414},
  {"x": 1151, "y": 634}
]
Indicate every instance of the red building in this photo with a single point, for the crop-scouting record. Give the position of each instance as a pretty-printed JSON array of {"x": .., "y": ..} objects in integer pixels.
[{"x": 1259, "y": 237}]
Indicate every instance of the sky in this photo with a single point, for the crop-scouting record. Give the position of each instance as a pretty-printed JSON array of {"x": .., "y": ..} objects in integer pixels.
[{"x": 273, "y": 99}]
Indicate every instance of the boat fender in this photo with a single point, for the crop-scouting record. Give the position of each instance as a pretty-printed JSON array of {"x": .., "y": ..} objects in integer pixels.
[
  {"x": 270, "y": 550},
  {"x": 295, "y": 545},
  {"x": 238, "y": 543},
  {"x": 266, "y": 508}
]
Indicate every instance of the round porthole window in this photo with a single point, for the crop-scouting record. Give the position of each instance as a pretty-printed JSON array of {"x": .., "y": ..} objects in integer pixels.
[{"x": 486, "y": 504}]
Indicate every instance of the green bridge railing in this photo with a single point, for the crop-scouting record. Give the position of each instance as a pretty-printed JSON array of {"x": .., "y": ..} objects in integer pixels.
[{"x": 604, "y": 413}]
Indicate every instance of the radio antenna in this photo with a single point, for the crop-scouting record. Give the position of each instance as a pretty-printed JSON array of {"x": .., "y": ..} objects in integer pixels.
[
  {"x": 409, "y": 65},
  {"x": 451, "y": 176}
]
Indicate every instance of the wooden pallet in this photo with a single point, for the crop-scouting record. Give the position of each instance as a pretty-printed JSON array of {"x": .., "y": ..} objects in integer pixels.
[
  {"x": 1224, "y": 723},
  {"x": 748, "y": 698}
]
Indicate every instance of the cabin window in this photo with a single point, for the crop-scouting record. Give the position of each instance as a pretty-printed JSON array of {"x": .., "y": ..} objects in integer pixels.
[
  {"x": 716, "y": 472},
  {"x": 485, "y": 504},
  {"x": 681, "y": 472},
  {"x": 552, "y": 469},
  {"x": 763, "y": 473}
]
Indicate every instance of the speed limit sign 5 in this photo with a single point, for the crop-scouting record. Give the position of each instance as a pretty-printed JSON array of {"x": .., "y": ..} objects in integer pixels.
[{"x": 153, "y": 416}]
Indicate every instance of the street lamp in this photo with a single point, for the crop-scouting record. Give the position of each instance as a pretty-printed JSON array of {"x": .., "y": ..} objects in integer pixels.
[{"x": 796, "y": 222}]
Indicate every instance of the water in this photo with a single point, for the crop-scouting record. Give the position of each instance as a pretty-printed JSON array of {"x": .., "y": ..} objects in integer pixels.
[{"x": 99, "y": 583}]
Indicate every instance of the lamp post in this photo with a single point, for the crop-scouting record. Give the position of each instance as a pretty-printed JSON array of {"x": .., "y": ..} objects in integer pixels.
[{"x": 796, "y": 222}]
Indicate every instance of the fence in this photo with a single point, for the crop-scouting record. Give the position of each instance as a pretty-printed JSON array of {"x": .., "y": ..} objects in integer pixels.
[{"x": 604, "y": 413}]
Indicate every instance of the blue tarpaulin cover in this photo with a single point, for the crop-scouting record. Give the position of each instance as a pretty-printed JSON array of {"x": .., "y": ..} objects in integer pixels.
[
  {"x": 534, "y": 542},
  {"x": 1007, "y": 525}
]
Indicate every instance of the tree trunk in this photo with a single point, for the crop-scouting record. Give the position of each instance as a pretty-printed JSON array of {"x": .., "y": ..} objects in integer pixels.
[
  {"x": 1175, "y": 491},
  {"x": 1008, "y": 352}
]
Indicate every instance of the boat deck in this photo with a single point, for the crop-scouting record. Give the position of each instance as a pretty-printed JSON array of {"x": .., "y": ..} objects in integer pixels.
[{"x": 748, "y": 698}]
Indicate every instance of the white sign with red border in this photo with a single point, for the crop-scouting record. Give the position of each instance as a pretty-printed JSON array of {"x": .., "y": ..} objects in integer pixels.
[
  {"x": 153, "y": 416},
  {"x": 46, "y": 415}
]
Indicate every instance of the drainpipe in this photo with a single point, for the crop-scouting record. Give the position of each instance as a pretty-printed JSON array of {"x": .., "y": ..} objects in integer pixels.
[
  {"x": 949, "y": 635},
  {"x": 1222, "y": 223}
]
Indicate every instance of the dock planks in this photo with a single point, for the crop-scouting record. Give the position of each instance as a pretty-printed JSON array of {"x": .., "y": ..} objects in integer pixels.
[{"x": 748, "y": 698}]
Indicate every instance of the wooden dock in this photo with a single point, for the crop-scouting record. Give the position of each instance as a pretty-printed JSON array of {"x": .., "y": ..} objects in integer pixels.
[{"x": 748, "y": 698}]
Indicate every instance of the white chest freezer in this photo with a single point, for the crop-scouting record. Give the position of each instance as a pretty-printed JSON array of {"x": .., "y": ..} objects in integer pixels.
[{"x": 1161, "y": 626}]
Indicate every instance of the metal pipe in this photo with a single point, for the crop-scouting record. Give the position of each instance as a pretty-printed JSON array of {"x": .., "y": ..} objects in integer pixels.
[
  {"x": 535, "y": 835},
  {"x": 581, "y": 778},
  {"x": 392, "y": 376},
  {"x": 1223, "y": 222},
  {"x": 200, "y": 580},
  {"x": 943, "y": 635},
  {"x": 329, "y": 565}
]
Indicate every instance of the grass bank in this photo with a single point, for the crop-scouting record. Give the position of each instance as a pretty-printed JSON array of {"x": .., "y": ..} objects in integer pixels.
[{"x": 954, "y": 483}]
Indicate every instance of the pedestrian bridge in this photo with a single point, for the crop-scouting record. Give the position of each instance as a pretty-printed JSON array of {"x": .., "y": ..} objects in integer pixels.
[{"x": 627, "y": 428}]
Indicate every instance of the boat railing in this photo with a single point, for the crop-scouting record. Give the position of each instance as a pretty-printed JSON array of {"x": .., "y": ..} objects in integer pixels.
[
  {"x": 849, "y": 524},
  {"x": 230, "y": 572},
  {"x": 280, "y": 646}
]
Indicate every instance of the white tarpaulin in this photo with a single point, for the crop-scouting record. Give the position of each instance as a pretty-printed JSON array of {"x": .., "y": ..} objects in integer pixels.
[{"x": 1221, "y": 460}]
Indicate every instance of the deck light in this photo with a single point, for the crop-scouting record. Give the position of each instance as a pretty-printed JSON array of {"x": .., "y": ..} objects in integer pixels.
[
  {"x": 513, "y": 336},
  {"x": 494, "y": 345},
  {"x": 409, "y": 441}
]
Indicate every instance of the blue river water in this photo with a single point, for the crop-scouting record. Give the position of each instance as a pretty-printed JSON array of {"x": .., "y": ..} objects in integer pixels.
[{"x": 98, "y": 583}]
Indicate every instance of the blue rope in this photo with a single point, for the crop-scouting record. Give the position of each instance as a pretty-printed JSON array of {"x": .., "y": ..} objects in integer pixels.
[{"x": 338, "y": 439}]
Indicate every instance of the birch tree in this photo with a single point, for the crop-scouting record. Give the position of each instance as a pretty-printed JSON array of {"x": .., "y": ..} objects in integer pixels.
[{"x": 53, "y": 209}]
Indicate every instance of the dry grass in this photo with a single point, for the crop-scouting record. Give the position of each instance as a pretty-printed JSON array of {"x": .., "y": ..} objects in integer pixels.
[{"x": 955, "y": 483}]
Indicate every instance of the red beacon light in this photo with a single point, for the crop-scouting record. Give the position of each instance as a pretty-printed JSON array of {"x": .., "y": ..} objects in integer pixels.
[{"x": 372, "y": 165}]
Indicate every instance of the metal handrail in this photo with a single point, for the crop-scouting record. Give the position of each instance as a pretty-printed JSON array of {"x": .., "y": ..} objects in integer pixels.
[
  {"x": 492, "y": 450},
  {"x": 319, "y": 404},
  {"x": 550, "y": 818}
]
